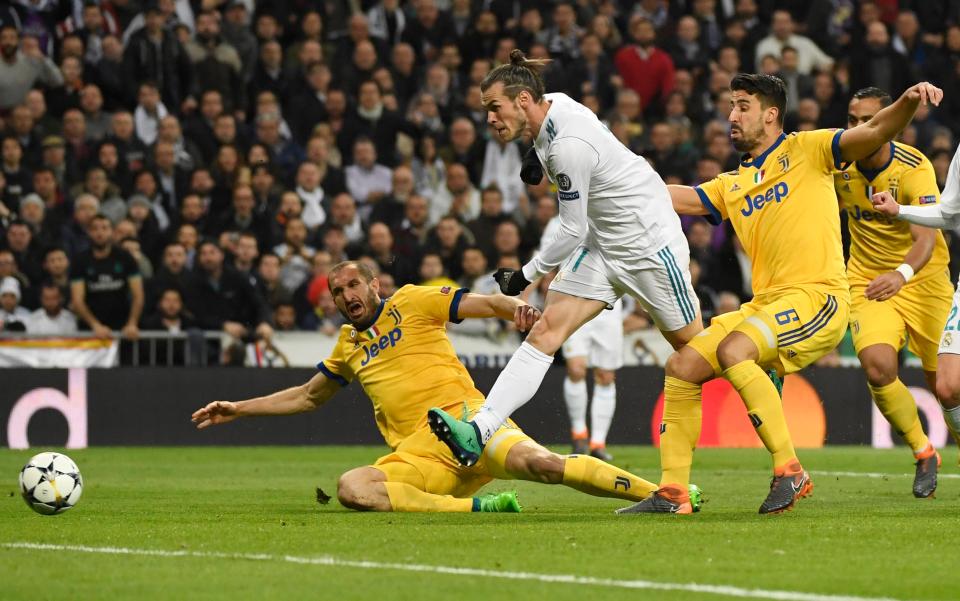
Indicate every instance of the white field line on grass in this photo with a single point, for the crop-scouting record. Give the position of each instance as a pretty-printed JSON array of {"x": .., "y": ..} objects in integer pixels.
[{"x": 710, "y": 589}]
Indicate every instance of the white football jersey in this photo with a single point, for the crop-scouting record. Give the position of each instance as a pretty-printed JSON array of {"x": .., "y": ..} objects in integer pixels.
[{"x": 610, "y": 199}]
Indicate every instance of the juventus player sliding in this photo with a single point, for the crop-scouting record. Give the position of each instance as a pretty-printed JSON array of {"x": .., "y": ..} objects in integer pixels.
[{"x": 618, "y": 235}]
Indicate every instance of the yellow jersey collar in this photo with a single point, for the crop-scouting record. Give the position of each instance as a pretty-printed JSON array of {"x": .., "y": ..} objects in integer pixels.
[{"x": 747, "y": 161}]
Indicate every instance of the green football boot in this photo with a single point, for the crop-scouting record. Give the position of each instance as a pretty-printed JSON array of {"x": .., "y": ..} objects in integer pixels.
[
  {"x": 498, "y": 502},
  {"x": 461, "y": 436}
]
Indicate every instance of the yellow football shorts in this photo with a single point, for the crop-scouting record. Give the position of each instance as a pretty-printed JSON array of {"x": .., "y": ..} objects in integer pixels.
[
  {"x": 916, "y": 315},
  {"x": 791, "y": 329},
  {"x": 425, "y": 463}
]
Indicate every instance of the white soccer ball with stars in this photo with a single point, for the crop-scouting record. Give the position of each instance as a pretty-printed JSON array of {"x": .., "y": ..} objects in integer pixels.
[{"x": 51, "y": 483}]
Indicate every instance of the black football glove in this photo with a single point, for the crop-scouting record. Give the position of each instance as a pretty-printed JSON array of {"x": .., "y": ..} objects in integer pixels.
[
  {"x": 511, "y": 281},
  {"x": 531, "y": 172}
]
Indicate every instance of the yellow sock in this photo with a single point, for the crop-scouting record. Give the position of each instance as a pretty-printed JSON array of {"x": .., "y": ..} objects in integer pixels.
[
  {"x": 897, "y": 405},
  {"x": 594, "y": 477},
  {"x": 404, "y": 497},
  {"x": 764, "y": 408},
  {"x": 679, "y": 429}
]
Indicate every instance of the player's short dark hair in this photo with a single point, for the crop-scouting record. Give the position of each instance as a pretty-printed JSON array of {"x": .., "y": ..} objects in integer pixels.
[
  {"x": 770, "y": 89},
  {"x": 362, "y": 269},
  {"x": 874, "y": 92},
  {"x": 519, "y": 75}
]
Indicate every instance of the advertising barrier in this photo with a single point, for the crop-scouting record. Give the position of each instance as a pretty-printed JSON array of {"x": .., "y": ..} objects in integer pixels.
[{"x": 104, "y": 407}]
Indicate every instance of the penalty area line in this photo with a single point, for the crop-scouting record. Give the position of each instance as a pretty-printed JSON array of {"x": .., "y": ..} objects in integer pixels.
[{"x": 326, "y": 560}]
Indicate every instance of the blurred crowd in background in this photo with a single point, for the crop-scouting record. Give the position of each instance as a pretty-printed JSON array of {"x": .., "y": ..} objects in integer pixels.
[{"x": 178, "y": 164}]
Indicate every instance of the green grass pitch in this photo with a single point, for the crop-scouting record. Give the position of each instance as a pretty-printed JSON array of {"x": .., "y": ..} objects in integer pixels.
[{"x": 243, "y": 523}]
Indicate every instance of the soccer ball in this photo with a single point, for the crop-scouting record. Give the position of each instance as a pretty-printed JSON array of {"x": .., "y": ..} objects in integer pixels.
[{"x": 51, "y": 483}]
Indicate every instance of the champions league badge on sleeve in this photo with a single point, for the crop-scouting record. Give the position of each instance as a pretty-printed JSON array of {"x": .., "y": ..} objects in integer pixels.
[{"x": 564, "y": 184}]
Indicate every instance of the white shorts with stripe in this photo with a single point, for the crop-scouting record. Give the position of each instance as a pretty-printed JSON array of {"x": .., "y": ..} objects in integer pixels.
[
  {"x": 600, "y": 340},
  {"x": 659, "y": 282}
]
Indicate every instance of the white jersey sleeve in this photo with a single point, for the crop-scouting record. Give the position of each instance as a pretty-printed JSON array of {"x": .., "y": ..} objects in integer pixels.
[
  {"x": 573, "y": 160},
  {"x": 946, "y": 214}
]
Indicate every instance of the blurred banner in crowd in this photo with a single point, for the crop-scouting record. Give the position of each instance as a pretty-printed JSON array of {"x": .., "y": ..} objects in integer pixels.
[{"x": 58, "y": 352}]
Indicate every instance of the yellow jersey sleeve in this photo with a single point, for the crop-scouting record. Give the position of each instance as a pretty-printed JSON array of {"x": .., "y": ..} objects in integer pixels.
[
  {"x": 823, "y": 146},
  {"x": 336, "y": 367},
  {"x": 438, "y": 303},
  {"x": 918, "y": 186},
  {"x": 711, "y": 195}
]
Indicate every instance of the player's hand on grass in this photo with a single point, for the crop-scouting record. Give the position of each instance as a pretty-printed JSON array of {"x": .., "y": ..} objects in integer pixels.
[
  {"x": 525, "y": 316},
  {"x": 925, "y": 93},
  {"x": 511, "y": 281},
  {"x": 884, "y": 286},
  {"x": 217, "y": 412},
  {"x": 884, "y": 203}
]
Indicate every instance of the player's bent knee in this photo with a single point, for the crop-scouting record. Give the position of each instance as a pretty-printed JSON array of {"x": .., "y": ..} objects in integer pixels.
[
  {"x": 686, "y": 364},
  {"x": 879, "y": 373},
  {"x": 577, "y": 372},
  {"x": 734, "y": 349},
  {"x": 545, "y": 467},
  {"x": 354, "y": 492},
  {"x": 604, "y": 377},
  {"x": 948, "y": 390}
]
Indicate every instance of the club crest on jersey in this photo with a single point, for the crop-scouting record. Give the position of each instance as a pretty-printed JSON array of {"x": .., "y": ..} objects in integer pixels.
[
  {"x": 869, "y": 190},
  {"x": 758, "y": 176},
  {"x": 563, "y": 182},
  {"x": 784, "y": 160}
]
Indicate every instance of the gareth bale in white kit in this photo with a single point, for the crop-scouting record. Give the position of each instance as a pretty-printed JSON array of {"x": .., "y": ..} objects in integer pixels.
[{"x": 618, "y": 235}]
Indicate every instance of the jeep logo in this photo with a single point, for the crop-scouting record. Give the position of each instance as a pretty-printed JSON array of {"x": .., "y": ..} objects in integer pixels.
[
  {"x": 373, "y": 349},
  {"x": 775, "y": 194}
]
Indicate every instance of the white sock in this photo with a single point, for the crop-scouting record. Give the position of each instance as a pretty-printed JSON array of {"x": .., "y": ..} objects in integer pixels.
[
  {"x": 952, "y": 417},
  {"x": 575, "y": 394},
  {"x": 516, "y": 385},
  {"x": 601, "y": 414}
]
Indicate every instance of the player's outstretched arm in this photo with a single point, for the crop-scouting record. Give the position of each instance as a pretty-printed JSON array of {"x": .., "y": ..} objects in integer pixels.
[
  {"x": 862, "y": 140},
  {"x": 298, "y": 399},
  {"x": 928, "y": 216},
  {"x": 686, "y": 201},
  {"x": 508, "y": 308}
]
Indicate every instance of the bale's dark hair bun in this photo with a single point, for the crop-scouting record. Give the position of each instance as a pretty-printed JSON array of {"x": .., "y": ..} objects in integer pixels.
[{"x": 517, "y": 57}]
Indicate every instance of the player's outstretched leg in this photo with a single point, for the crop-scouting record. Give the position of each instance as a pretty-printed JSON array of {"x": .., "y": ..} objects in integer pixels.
[
  {"x": 367, "y": 489},
  {"x": 669, "y": 499}
]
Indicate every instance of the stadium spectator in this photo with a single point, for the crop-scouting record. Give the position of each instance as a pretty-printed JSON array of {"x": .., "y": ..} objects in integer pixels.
[
  {"x": 458, "y": 197},
  {"x": 216, "y": 63},
  {"x": 367, "y": 180},
  {"x": 295, "y": 254},
  {"x": 21, "y": 69},
  {"x": 106, "y": 286},
  {"x": 168, "y": 316},
  {"x": 343, "y": 212},
  {"x": 222, "y": 299},
  {"x": 51, "y": 319},
  {"x": 485, "y": 225},
  {"x": 878, "y": 64},
  {"x": 13, "y": 317},
  {"x": 380, "y": 246},
  {"x": 74, "y": 234},
  {"x": 646, "y": 69},
  {"x": 782, "y": 33},
  {"x": 153, "y": 53}
]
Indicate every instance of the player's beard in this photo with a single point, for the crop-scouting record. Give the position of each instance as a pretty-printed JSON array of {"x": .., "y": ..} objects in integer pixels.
[
  {"x": 370, "y": 306},
  {"x": 748, "y": 140}
]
